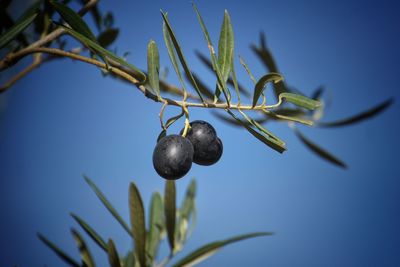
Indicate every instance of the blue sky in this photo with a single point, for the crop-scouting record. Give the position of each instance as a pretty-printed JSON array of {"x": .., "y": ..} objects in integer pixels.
[{"x": 65, "y": 120}]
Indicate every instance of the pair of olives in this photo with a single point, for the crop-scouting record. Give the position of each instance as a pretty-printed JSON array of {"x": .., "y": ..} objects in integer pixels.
[{"x": 174, "y": 154}]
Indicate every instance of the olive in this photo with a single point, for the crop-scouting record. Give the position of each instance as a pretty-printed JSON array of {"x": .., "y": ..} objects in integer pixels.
[{"x": 173, "y": 157}]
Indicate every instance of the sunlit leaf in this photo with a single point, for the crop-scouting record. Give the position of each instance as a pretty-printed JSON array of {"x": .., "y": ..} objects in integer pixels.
[
  {"x": 157, "y": 225},
  {"x": 372, "y": 112},
  {"x": 180, "y": 53},
  {"x": 113, "y": 257},
  {"x": 74, "y": 20},
  {"x": 170, "y": 211},
  {"x": 108, "y": 205},
  {"x": 300, "y": 100},
  {"x": 153, "y": 67},
  {"x": 61, "y": 254},
  {"x": 138, "y": 223},
  {"x": 320, "y": 151},
  {"x": 208, "y": 250},
  {"x": 107, "y": 37},
  {"x": 92, "y": 233},
  {"x": 86, "y": 256},
  {"x": 262, "y": 82},
  {"x": 268, "y": 140},
  {"x": 13, "y": 32}
]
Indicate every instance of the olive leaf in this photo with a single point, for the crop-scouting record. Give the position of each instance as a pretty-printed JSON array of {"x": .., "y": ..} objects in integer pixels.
[
  {"x": 61, "y": 254},
  {"x": 157, "y": 225},
  {"x": 138, "y": 223},
  {"x": 153, "y": 67},
  {"x": 186, "y": 213},
  {"x": 92, "y": 233},
  {"x": 208, "y": 250},
  {"x": 170, "y": 211},
  {"x": 262, "y": 82},
  {"x": 15, "y": 30},
  {"x": 300, "y": 100},
  {"x": 87, "y": 259},
  {"x": 107, "y": 37},
  {"x": 113, "y": 257}
]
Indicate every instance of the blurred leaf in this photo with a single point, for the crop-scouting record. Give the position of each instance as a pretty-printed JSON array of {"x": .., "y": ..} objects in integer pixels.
[
  {"x": 221, "y": 85},
  {"x": 208, "y": 250},
  {"x": 92, "y": 233},
  {"x": 359, "y": 117},
  {"x": 108, "y": 37},
  {"x": 170, "y": 211},
  {"x": 13, "y": 32},
  {"x": 319, "y": 151},
  {"x": 187, "y": 212},
  {"x": 129, "y": 260},
  {"x": 138, "y": 223},
  {"x": 86, "y": 257},
  {"x": 153, "y": 67},
  {"x": 202, "y": 87},
  {"x": 268, "y": 140},
  {"x": 317, "y": 93},
  {"x": 300, "y": 100},
  {"x": 108, "y": 205},
  {"x": 235, "y": 122},
  {"x": 286, "y": 118},
  {"x": 262, "y": 82},
  {"x": 234, "y": 80},
  {"x": 61, "y": 254},
  {"x": 104, "y": 52},
  {"x": 156, "y": 225},
  {"x": 113, "y": 257},
  {"x": 290, "y": 112},
  {"x": 180, "y": 54},
  {"x": 74, "y": 20},
  {"x": 108, "y": 20}
]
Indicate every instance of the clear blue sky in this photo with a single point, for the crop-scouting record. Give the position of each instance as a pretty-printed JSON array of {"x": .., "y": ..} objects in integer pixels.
[{"x": 65, "y": 119}]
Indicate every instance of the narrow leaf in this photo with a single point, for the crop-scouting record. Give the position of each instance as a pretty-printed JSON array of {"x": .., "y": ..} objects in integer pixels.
[
  {"x": 92, "y": 233},
  {"x": 108, "y": 205},
  {"x": 269, "y": 141},
  {"x": 260, "y": 85},
  {"x": 86, "y": 257},
  {"x": 61, "y": 254},
  {"x": 202, "y": 87},
  {"x": 73, "y": 19},
  {"x": 104, "y": 52},
  {"x": 129, "y": 260},
  {"x": 180, "y": 54},
  {"x": 208, "y": 250},
  {"x": 294, "y": 118},
  {"x": 187, "y": 212},
  {"x": 170, "y": 211},
  {"x": 157, "y": 225},
  {"x": 153, "y": 67},
  {"x": 300, "y": 100},
  {"x": 320, "y": 151},
  {"x": 138, "y": 223},
  {"x": 235, "y": 122},
  {"x": 113, "y": 257},
  {"x": 370, "y": 113},
  {"x": 15, "y": 30},
  {"x": 107, "y": 37}
]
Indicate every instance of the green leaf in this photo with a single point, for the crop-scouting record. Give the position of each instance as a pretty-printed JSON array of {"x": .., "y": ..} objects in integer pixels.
[
  {"x": 320, "y": 151},
  {"x": 15, "y": 30},
  {"x": 234, "y": 80},
  {"x": 107, "y": 37},
  {"x": 372, "y": 112},
  {"x": 180, "y": 54},
  {"x": 157, "y": 225},
  {"x": 129, "y": 260},
  {"x": 153, "y": 67},
  {"x": 260, "y": 85},
  {"x": 208, "y": 250},
  {"x": 92, "y": 233},
  {"x": 266, "y": 139},
  {"x": 294, "y": 118},
  {"x": 108, "y": 205},
  {"x": 186, "y": 212},
  {"x": 236, "y": 123},
  {"x": 221, "y": 85},
  {"x": 170, "y": 211},
  {"x": 73, "y": 19},
  {"x": 61, "y": 254},
  {"x": 300, "y": 100},
  {"x": 138, "y": 223},
  {"x": 105, "y": 53},
  {"x": 86, "y": 257},
  {"x": 113, "y": 257}
]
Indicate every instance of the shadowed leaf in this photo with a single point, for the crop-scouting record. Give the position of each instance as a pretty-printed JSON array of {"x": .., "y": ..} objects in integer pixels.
[
  {"x": 235, "y": 122},
  {"x": 320, "y": 151},
  {"x": 61, "y": 254},
  {"x": 92, "y": 233},
  {"x": 87, "y": 260},
  {"x": 108, "y": 205},
  {"x": 15, "y": 30},
  {"x": 208, "y": 250},
  {"x": 138, "y": 223},
  {"x": 157, "y": 225},
  {"x": 202, "y": 87},
  {"x": 262, "y": 82},
  {"x": 187, "y": 212},
  {"x": 113, "y": 257},
  {"x": 129, "y": 260},
  {"x": 107, "y": 37},
  {"x": 170, "y": 211},
  {"x": 370, "y": 113},
  {"x": 153, "y": 67}
]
